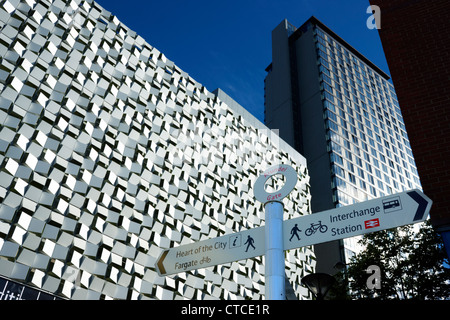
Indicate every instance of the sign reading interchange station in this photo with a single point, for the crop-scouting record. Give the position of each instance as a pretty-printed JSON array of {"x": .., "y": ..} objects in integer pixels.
[
  {"x": 344, "y": 222},
  {"x": 374, "y": 215}
]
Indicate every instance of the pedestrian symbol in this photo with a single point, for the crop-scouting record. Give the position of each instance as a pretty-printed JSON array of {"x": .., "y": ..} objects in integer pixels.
[
  {"x": 294, "y": 231},
  {"x": 249, "y": 243}
]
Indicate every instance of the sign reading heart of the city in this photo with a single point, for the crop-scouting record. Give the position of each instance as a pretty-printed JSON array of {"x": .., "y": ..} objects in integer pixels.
[{"x": 374, "y": 215}]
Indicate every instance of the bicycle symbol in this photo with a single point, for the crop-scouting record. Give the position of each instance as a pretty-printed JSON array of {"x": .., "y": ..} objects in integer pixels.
[{"x": 314, "y": 227}]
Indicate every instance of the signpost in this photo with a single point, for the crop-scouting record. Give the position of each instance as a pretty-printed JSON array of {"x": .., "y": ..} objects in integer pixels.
[{"x": 277, "y": 235}]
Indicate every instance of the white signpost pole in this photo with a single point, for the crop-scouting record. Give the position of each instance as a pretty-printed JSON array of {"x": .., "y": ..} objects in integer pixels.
[{"x": 274, "y": 249}]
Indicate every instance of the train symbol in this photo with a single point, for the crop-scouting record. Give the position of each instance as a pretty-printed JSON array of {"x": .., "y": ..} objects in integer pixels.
[{"x": 392, "y": 204}]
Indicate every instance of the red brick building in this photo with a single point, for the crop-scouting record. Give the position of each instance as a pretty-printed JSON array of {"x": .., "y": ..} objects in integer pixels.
[{"x": 416, "y": 40}]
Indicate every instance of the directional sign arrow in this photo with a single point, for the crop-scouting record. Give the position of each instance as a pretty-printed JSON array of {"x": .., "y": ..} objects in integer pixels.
[
  {"x": 233, "y": 247},
  {"x": 423, "y": 203},
  {"x": 369, "y": 216},
  {"x": 160, "y": 262}
]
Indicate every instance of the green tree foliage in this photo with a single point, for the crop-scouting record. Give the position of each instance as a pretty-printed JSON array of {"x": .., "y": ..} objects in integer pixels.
[{"x": 413, "y": 265}]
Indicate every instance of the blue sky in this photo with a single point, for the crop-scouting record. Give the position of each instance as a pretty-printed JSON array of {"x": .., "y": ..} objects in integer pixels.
[{"x": 227, "y": 44}]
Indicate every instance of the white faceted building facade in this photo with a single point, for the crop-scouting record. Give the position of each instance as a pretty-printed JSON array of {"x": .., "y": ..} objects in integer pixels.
[{"x": 109, "y": 154}]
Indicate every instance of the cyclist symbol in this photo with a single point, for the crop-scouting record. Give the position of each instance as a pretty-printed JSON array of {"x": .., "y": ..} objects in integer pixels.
[{"x": 314, "y": 227}]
